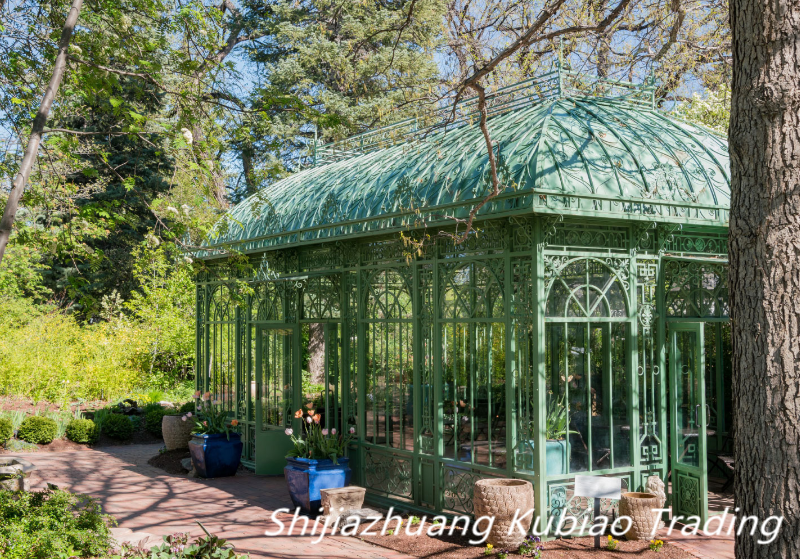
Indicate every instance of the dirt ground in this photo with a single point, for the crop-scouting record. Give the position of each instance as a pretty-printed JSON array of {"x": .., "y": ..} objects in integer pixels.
[{"x": 458, "y": 547}]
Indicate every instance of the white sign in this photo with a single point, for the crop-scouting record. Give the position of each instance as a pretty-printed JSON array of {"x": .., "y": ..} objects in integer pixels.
[{"x": 598, "y": 487}]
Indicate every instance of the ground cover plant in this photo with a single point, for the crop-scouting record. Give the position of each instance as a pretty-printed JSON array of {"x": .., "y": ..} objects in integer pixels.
[{"x": 51, "y": 525}]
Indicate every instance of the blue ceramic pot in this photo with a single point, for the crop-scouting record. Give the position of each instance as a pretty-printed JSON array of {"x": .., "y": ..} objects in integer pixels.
[
  {"x": 215, "y": 455},
  {"x": 556, "y": 456},
  {"x": 305, "y": 477}
]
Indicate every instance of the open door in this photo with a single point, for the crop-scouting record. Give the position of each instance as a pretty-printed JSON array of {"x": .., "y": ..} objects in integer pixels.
[
  {"x": 274, "y": 408},
  {"x": 688, "y": 421}
]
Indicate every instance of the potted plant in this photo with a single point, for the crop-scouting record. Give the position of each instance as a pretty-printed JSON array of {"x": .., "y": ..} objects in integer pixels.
[
  {"x": 216, "y": 450},
  {"x": 557, "y": 429},
  {"x": 316, "y": 461}
]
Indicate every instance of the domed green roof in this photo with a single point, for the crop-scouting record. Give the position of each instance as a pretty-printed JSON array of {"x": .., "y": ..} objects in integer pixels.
[{"x": 570, "y": 155}]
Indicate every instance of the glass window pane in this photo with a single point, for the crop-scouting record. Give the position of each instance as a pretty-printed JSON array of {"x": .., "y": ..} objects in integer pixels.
[{"x": 687, "y": 398}]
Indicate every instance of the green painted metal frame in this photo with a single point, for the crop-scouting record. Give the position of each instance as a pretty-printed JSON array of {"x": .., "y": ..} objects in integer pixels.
[{"x": 422, "y": 478}]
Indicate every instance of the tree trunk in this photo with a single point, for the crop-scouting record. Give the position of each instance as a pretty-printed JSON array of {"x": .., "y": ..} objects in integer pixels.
[
  {"x": 32, "y": 150},
  {"x": 316, "y": 352},
  {"x": 765, "y": 269}
]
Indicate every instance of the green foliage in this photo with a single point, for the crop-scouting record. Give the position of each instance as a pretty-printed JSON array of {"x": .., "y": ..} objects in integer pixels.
[
  {"x": 164, "y": 304},
  {"x": 6, "y": 430},
  {"x": 14, "y": 416},
  {"x": 51, "y": 524},
  {"x": 315, "y": 442},
  {"x": 118, "y": 426},
  {"x": 83, "y": 431},
  {"x": 177, "y": 546},
  {"x": 38, "y": 430},
  {"x": 16, "y": 445},
  {"x": 187, "y": 407},
  {"x": 153, "y": 418},
  {"x": 557, "y": 423},
  {"x": 712, "y": 110},
  {"x": 20, "y": 276},
  {"x": 105, "y": 359},
  {"x": 61, "y": 418}
]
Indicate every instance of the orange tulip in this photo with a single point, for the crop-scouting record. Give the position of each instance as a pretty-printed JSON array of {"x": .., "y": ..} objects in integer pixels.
[
  {"x": 317, "y": 418},
  {"x": 310, "y": 412},
  {"x": 298, "y": 414},
  {"x": 234, "y": 422},
  {"x": 310, "y": 405}
]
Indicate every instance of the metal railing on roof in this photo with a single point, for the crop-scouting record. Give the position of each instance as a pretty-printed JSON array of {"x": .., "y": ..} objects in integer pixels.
[{"x": 558, "y": 83}]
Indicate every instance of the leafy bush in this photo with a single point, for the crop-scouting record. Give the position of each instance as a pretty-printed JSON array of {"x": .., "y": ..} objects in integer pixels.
[
  {"x": 6, "y": 430},
  {"x": 102, "y": 360},
  {"x": 118, "y": 426},
  {"x": 187, "y": 407},
  {"x": 50, "y": 524},
  {"x": 177, "y": 546},
  {"x": 14, "y": 416},
  {"x": 62, "y": 419},
  {"x": 82, "y": 431},
  {"x": 152, "y": 420},
  {"x": 39, "y": 430}
]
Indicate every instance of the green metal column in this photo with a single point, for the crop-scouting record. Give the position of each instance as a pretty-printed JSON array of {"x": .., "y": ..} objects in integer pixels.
[{"x": 540, "y": 395}]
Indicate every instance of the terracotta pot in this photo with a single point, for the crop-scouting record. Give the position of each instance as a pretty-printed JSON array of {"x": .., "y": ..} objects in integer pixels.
[
  {"x": 501, "y": 499},
  {"x": 176, "y": 432},
  {"x": 640, "y": 508}
]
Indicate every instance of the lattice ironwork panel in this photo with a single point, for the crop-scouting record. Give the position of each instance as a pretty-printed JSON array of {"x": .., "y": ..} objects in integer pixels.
[
  {"x": 697, "y": 242},
  {"x": 457, "y": 487},
  {"x": 687, "y": 494},
  {"x": 696, "y": 289},
  {"x": 650, "y": 406},
  {"x": 472, "y": 290},
  {"x": 388, "y": 474},
  {"x": 322, "y": 297},
  {"x": 586, "y": 286},
  {"x": 578, "y": 236}
]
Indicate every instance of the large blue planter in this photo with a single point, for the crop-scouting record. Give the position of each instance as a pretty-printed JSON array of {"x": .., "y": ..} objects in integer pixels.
[
  {"x": 215, "y": 455},
  {"x": 556, "y": 456},
  {"x": 305, "y": 477}
]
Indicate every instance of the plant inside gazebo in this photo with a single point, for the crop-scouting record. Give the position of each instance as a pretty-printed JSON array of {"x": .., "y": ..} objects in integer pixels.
[
  {"x": 557, "y": 429},
  {"x": 215, "y": 448},
  {"x": 316, "y": 460}
]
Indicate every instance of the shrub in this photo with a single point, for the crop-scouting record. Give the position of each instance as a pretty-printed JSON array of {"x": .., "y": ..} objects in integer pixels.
[
  {"x": 187, "y": 407},
  {"x": 178, "y": 546},
  {"x": 38, "y": 430},
  {"x": 82, "y": 431},
  {"x": 6, "y": 430},
  {"x": 49, "y": 524},
  {"x": 117, "y": 426},
  {"x": 62, "y": 419},
  {"x": 152, "y": 420}
]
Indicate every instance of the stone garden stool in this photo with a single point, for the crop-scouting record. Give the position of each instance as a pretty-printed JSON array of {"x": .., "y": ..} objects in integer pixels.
[
  {"x": 14, "y": 473},
  {"x": 337, "y": 502}
]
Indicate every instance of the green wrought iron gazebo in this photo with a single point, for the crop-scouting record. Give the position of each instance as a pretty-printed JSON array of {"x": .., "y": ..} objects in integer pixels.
[{"x": 594, "y": 287}]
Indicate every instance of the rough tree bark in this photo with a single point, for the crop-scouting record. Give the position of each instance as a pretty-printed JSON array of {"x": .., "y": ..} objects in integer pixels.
[
  {"x": 32, "y": 150},
  {"x": 765, "y": 268}
]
